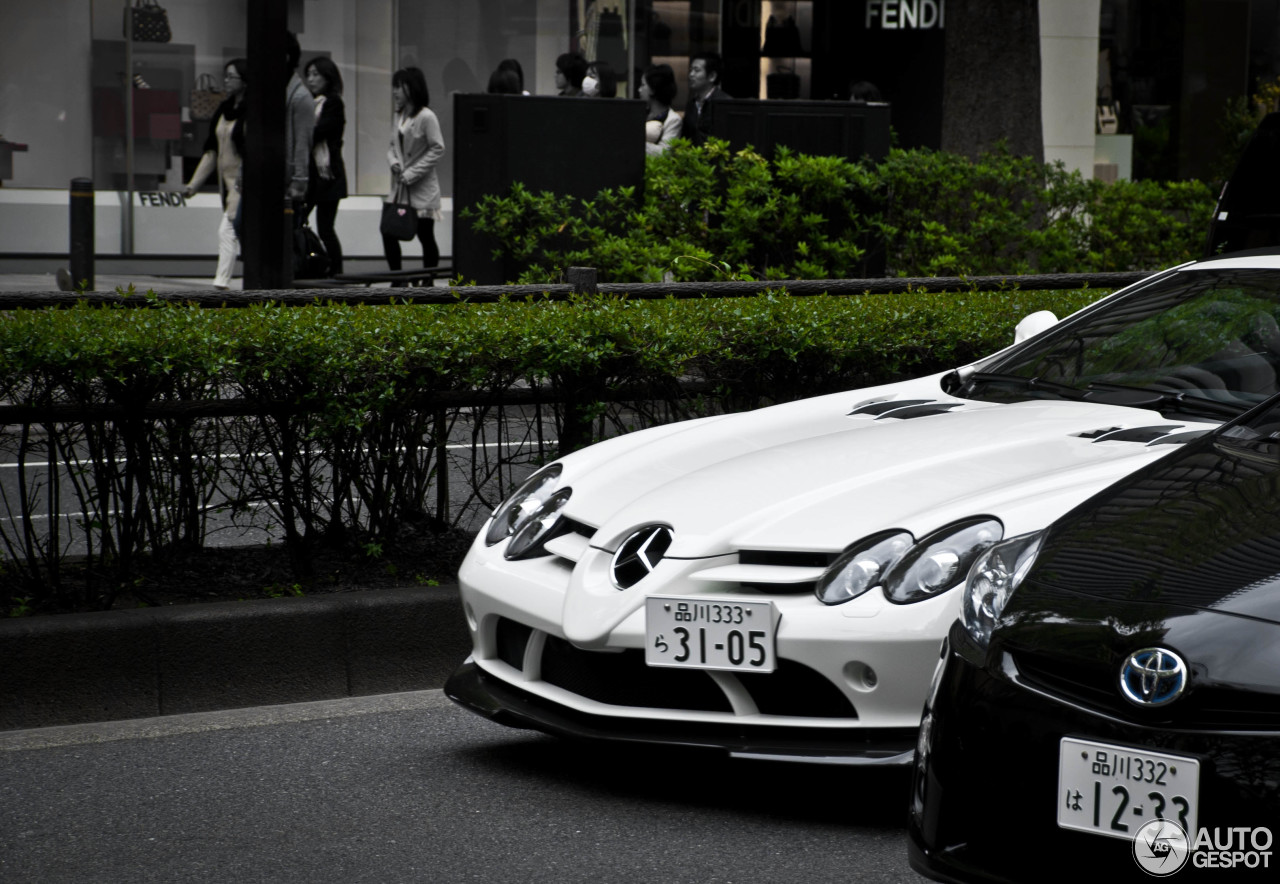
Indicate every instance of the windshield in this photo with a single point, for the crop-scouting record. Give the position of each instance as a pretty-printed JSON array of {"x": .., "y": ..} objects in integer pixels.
[{"x": 1203, "y": 342}]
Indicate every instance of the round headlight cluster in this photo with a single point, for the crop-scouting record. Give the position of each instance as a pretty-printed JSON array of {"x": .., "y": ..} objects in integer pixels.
[
  {"x": 514, "y": 512},
  {"x": 906, "y": 570},
  {"x": 862, "y": 566},
  {"x": 941, "y": 560},
  {"x": 996, "y": 573},
  {"x": 538, "y": 528}
]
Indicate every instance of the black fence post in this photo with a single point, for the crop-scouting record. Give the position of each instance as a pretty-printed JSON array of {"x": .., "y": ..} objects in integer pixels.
[
  {"x": 265, "y": 231},
  {"x": 582, "y": 280},
  {"x": 82, "y": 236}
]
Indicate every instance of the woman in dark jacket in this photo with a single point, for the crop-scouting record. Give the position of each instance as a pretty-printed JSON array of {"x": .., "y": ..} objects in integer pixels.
[{"x": 328, "y": 184}]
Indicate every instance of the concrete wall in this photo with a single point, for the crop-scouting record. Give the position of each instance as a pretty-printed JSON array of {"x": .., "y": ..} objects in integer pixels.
[{"x": 76, "y": 668}]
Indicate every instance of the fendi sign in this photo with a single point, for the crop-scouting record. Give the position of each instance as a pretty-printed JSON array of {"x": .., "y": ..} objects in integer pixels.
[{"x": 905, "y": 15}]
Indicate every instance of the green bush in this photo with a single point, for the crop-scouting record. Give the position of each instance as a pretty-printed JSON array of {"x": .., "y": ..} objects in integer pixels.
[{"x": 803, "y": 217}]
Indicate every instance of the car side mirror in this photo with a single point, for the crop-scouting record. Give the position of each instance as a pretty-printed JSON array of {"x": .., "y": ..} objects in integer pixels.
[{"x": 1032, "y": 324}]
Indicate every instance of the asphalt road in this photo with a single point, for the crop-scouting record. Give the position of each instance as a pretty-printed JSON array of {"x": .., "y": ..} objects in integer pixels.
[{"x": 407, "y": 787}]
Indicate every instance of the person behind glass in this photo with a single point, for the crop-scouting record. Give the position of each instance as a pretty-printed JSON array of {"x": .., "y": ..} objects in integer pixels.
[
  {"x": 705, "y": 70},
  {"x": 223, "y": 151},
  {"x": 513, "y": 65},
  {"x": 416, "y": 148},
  {"x": 658, "y": 87},
  {"x": 863, "y": 92},
  {"x": 571, "y": 68},
  {"x": 504, "y": 83},
  {"x": 600, "y": 81},
  {"x": 299, "y": 122}
]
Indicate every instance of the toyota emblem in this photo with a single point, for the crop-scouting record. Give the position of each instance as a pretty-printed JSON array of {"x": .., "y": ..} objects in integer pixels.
[
  {"x": 639, "y": 554},
  {"x": 1153, "y": 677}
]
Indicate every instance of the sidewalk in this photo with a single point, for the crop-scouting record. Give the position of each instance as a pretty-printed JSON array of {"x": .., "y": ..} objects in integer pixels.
[{"x": 109, "y": 282}]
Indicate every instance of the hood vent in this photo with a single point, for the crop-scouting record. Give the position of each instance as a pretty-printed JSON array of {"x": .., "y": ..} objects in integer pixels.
[
  {"x": 1143, "y": 435},
  {"x": 904, "y": 409}
]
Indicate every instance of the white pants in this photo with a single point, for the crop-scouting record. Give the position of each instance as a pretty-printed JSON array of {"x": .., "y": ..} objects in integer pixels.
[{"x": 227, "y": 244}]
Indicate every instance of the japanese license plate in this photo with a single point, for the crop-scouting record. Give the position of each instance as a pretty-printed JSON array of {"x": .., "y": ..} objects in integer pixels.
[
  {"x": 711, "y": 633},
  {"x": 1112, "y": 790}
]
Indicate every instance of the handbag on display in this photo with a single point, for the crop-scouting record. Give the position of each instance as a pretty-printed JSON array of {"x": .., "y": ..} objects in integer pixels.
[
  {"x": 150, "y": 22},
  {"x": 205, "y": 98},
  {"x": 399, "y": 220}
]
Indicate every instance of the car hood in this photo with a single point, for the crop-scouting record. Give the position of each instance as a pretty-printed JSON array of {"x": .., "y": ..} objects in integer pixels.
[
  {"x": 1198, "y": 530},
  {"x": 811, "y": 476}
]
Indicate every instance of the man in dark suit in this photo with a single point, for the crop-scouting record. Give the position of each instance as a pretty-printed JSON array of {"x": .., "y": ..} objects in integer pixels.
[{"x": 705, "y": 70}]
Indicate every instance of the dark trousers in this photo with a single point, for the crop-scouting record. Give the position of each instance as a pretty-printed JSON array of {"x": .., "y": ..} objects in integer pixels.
[
  {"x": 426, "y": 236},
  {"x": 325, "y": 213}
]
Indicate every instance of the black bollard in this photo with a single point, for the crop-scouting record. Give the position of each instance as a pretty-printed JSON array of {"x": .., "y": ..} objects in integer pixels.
[
  {"x": 582, "y": 280},
  {"x": 82, "y": 239}
]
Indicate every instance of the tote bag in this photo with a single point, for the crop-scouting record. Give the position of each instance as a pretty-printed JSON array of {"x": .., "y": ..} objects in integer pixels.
[
  {"x": 399, "y": 220},
  {"x": 205, "y": 98}
]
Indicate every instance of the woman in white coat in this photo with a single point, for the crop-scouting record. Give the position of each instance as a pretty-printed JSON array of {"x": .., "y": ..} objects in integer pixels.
[
  {"x": 416, "y": 148},
  {"x": 658, "y": 87}
]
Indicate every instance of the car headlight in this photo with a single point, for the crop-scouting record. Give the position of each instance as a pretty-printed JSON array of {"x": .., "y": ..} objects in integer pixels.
[
  {"x": 862, "y": 566},
  {"x": 994, "y": 576},
  {"x": 941, "y": 560},
  {"x": 538, "y": 528},
  {"x": 512, "y": 514}
]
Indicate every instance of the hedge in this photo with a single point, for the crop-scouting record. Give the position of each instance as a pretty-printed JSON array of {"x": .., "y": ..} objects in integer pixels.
[{"x": 707, "y": 211}]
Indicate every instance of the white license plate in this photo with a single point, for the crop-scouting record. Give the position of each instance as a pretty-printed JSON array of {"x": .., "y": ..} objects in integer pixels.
[
  {"x": 711, "y": 633},
  {"x": 1112, "y": 790}
]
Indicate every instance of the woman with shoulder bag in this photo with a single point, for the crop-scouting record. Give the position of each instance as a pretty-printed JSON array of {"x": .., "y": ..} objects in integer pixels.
[
  {"x": 223, "y": 150},
  {"x": 416, "y": 148}
]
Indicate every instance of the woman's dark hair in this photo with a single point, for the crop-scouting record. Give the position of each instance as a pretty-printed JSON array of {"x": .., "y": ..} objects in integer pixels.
[
  {"x": 327, "y": 69},
  {"x": 608, "y": 78},
  {"x": 242, "y": 68},
  {"x": 662, "y": 82},
  {"x": 510, "y": 64},
  {"x": 414, "y": 82},
  {"x": 862, "y": 91},
  {"x": 504, "y": 83},
  {"x": 574, "y": 68}
]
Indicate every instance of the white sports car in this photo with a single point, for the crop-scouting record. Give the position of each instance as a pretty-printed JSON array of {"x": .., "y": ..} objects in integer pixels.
[{"x": 778, "y": 583}]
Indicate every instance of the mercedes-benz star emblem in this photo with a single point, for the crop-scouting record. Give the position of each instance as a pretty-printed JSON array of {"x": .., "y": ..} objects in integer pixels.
[
  {"x": 1153, "y": 677},
  {"x": 639, "y": 554}
]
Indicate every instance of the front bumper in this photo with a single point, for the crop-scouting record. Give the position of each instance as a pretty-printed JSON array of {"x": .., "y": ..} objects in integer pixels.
[
  {"x": 986, "y": 781},
  {"x": 482, "y": 693}
]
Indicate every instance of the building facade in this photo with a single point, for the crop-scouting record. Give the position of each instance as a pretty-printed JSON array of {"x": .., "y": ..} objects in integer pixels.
[{"x": 1163, "y": 69}]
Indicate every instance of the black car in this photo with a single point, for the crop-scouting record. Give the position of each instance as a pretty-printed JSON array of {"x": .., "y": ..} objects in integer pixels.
[
  {"x": 1247, "y": 213},
  {"x": 1109, "y": 702}
]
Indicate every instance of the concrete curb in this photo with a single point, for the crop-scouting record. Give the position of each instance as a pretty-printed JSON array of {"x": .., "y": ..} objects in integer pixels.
[{"x": 77, "y": 668}]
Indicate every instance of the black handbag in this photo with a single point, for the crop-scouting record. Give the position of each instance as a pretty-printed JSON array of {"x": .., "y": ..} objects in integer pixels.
[
  {"x": 150, "y": 22},
  {"x": 399, "y": 220},
  {"x": 310, "y": 261}
]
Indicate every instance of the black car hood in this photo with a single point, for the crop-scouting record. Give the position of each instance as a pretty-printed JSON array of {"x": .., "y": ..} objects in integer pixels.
[{"x": 1199, "y": 529}]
